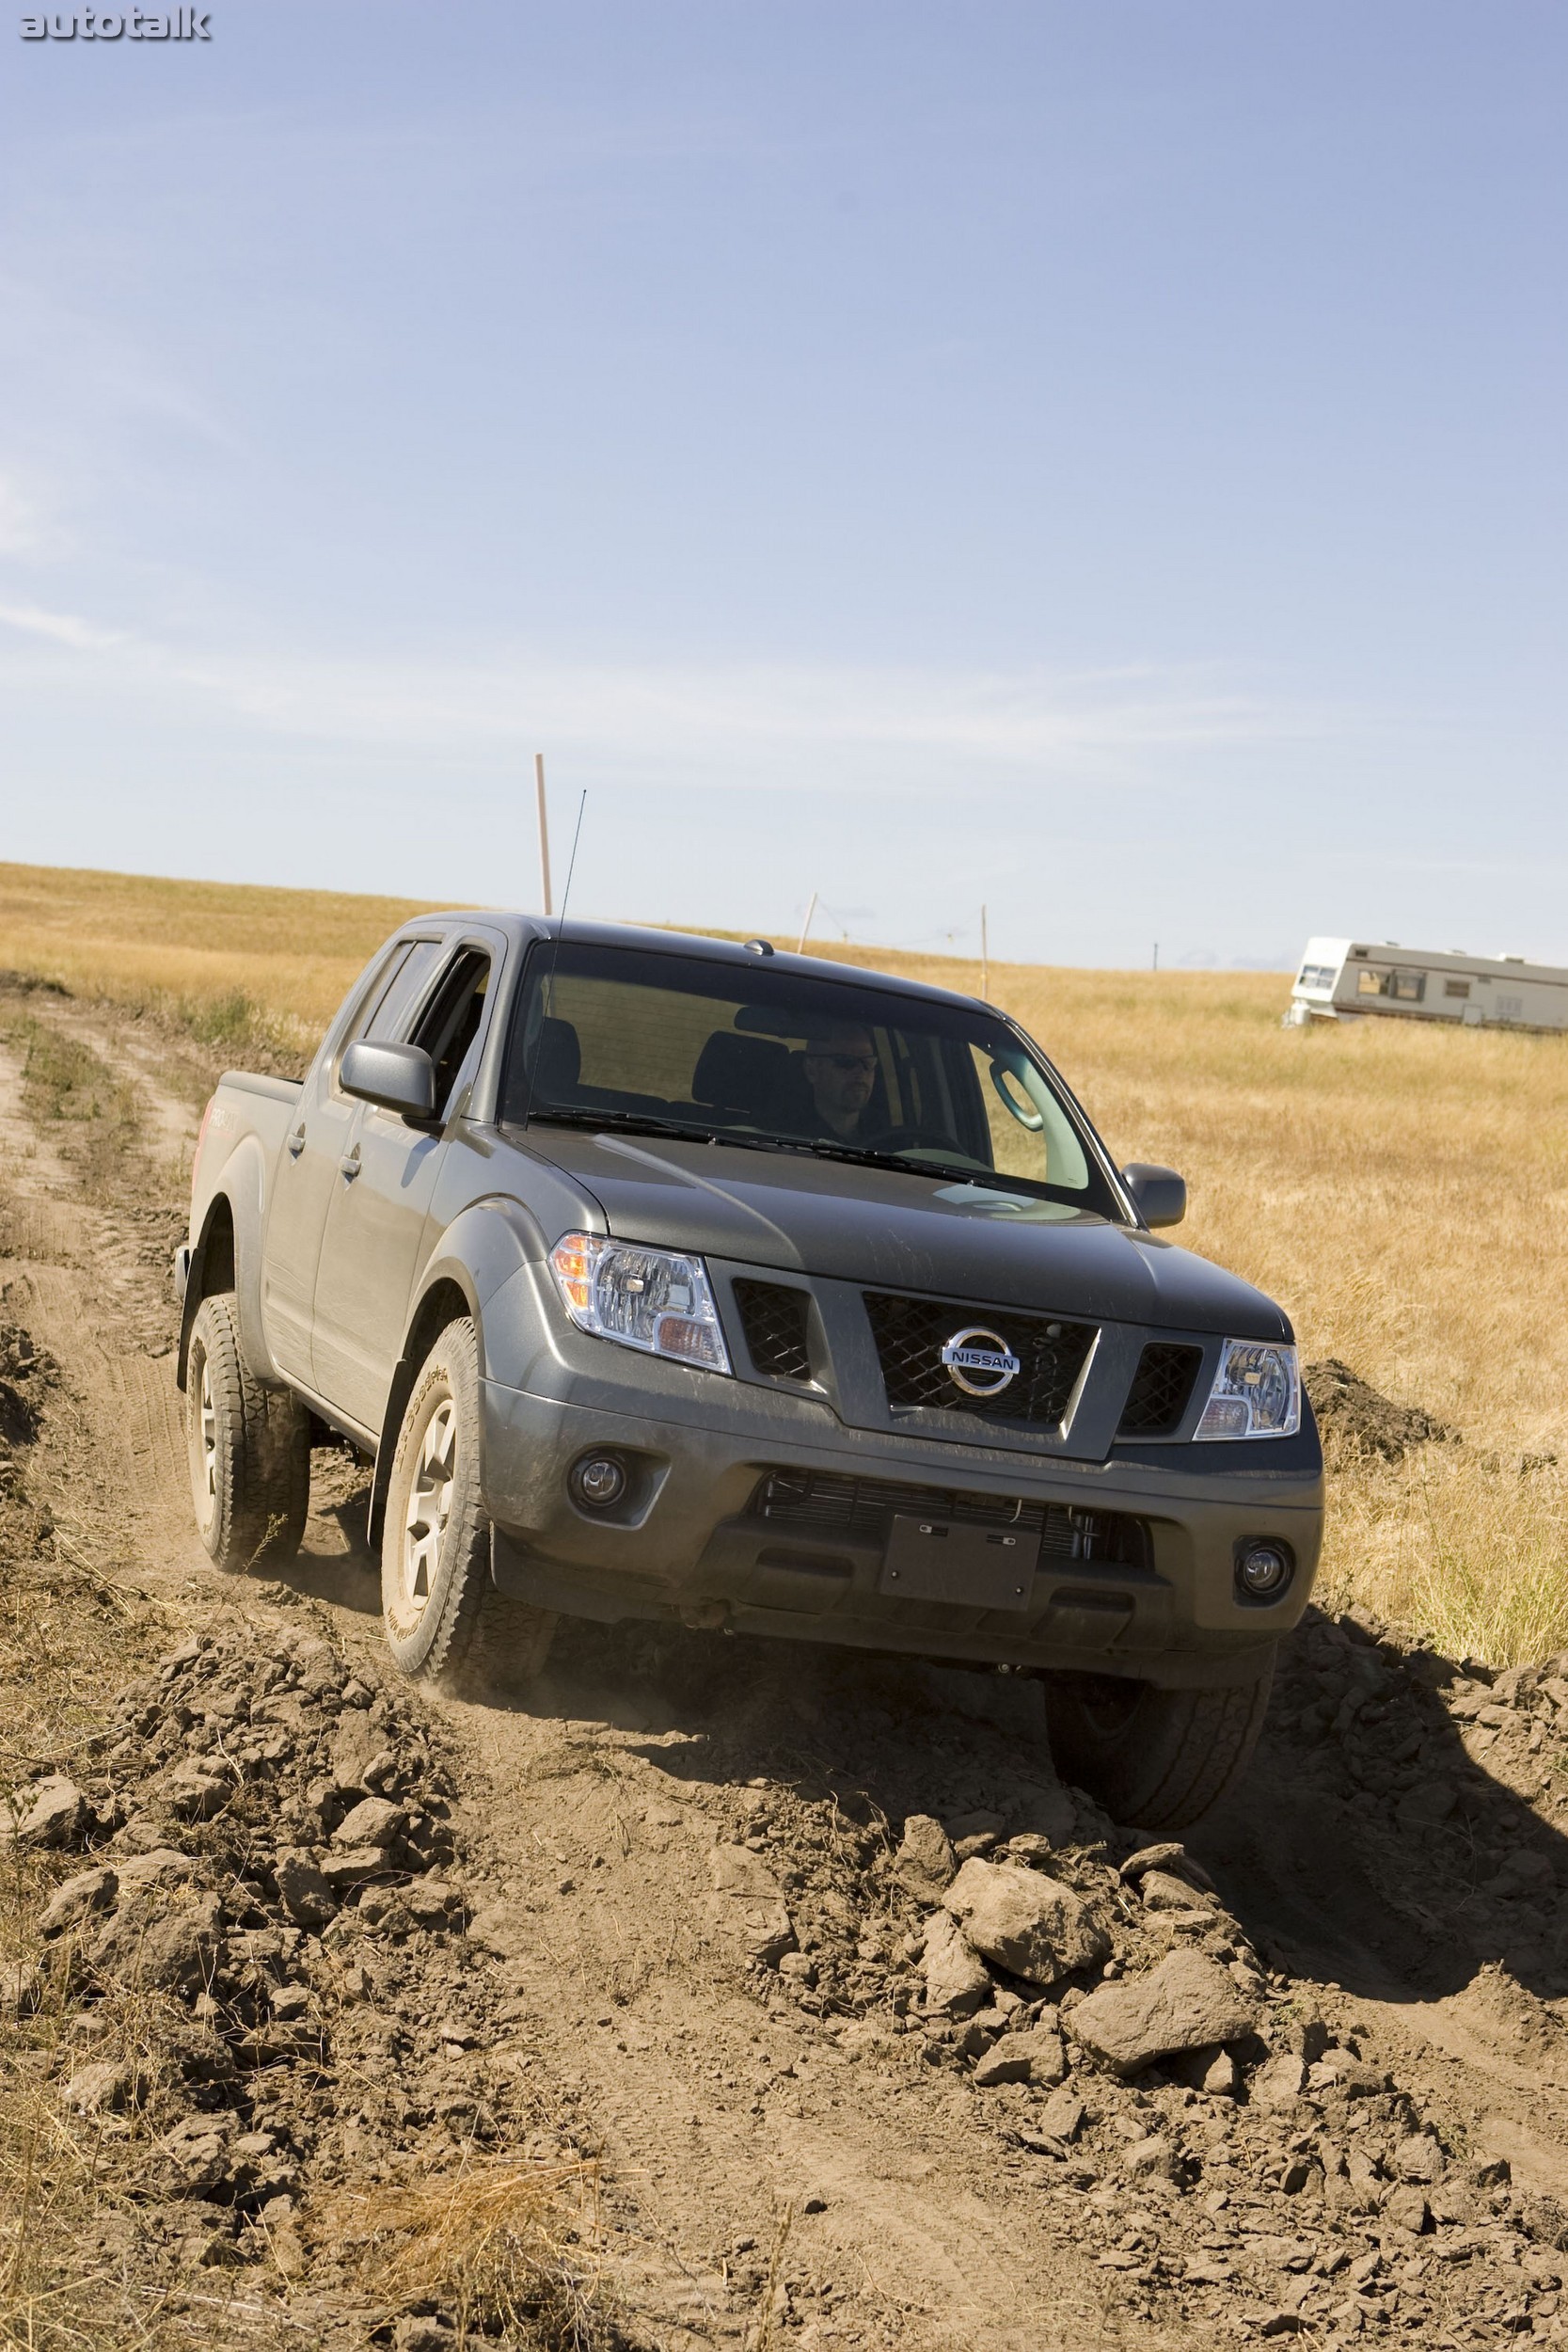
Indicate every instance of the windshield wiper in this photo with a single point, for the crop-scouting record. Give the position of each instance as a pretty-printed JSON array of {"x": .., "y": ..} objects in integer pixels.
[
  {"x": 856, "y": 1155},
  {"x": 639, "y": 1122}
]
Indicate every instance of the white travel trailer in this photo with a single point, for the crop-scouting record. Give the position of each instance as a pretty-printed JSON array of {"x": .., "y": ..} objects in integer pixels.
[{"x": 1345, "y": 980}]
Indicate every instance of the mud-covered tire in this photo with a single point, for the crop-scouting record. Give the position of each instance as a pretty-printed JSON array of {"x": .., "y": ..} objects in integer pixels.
[
  {"x": 248, "y": 1448},
  {"x": 1154, "y": 1759},
  {"x": 443, "y": 1617}
]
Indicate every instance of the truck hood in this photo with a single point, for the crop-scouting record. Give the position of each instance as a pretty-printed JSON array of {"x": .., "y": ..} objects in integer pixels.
[{"x": 883, "y": 1228}]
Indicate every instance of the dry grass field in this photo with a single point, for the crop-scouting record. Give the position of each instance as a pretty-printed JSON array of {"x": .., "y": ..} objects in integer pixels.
[{"x": 1403, "y": 1191}]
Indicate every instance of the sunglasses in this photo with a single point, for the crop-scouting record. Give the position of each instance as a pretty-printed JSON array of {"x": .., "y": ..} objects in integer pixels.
[{"x": 848, "y": 1061}]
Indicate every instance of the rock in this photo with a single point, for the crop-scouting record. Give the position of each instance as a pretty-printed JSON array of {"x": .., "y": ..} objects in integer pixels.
[
  {"x": 1340, "y": 2070},
  {"x": 980, "y": 1824},
  {"x": 1153, "y": 2157},
  {"x": 155, "y": 1865},
  {"x": 1186, "y": 2002},
  {"x": 1426, "y": 1805},
  {"x": 1278, "y": 2085},
  {"x": 1045, "y": 2050},
  {"x": 1406, "y": 2208},
  {"x": 303, "y": 1891},
  {"x": 431, "y": 1903},
  {"x": 170, "y": 1950},
  {"x": 374, "y": 1822},
  {"x": 194, "y": 1791},
  {"x": 77, "y": 1899},
  {"x": 342, "y": 1871},
  {"x": 1031, "y": 1846},
  {"x": 1171, "y": 1858},
  {"x": 20, "y": 1987},
  {"x": 55, "y": 1814},
  {"x": 1062, "y": 2116},
  {"x": 799, "y": 1967},
  {"x": 748, "y": 1902},
  {"x": 104, "y": 2087},
  {"x": 1027, "y": 1924},
  {"x": 1419, "y": 2160},
  {"x": 198, "y": 2149},
  {"x": 1213, "y": 2071},
  {"x": 1006, "y": 2063},
  {"x": 955, "y": 1981},
  {"x": 413, "y": 2335},
  {"x": 923, "y": 1865},
  {"x": 355, "y": 1740},
  {"x": 1161, "y": 1892}
]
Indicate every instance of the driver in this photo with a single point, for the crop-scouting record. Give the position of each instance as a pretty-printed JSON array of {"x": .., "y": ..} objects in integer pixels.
[{"x": 840, "y": 1065}]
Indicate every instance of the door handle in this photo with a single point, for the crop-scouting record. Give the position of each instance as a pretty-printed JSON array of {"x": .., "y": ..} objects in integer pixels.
[
  {"x": 349, "y": 1164},
  {"x": 297, "y": 1141}
]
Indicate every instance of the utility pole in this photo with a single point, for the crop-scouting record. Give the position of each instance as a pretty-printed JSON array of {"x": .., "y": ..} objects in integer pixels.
[
  {"x": 806, "y": 925},
  {"x": 544, "y": 832},
  {"x": 1156, "y": 955},
  {"x": 985, "y": 958}
]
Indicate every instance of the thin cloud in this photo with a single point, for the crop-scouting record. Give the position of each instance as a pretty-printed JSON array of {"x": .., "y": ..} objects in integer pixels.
[{"x": 64, "y": 629}]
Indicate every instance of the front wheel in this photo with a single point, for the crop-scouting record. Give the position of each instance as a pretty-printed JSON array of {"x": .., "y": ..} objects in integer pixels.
[
  {"x": 1154, "y": 1759},
  {"x": 248, "y": 1449},
  {"x": 444, "y": 1619}
]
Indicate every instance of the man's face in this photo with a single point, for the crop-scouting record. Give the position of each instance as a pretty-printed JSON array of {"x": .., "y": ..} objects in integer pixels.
[{"x": 841, "y": 1071}]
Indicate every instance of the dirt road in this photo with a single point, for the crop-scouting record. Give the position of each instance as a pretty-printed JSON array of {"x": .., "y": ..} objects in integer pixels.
[{"x": 810, "y": 2154}]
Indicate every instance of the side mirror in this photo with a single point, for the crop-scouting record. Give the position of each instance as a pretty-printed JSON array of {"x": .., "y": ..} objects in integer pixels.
[
  {"x": 1159, "y": 1194},
  {"x": 395, "y": 1077}
]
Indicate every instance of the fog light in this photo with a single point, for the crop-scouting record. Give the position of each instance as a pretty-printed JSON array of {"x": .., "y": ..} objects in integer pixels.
[
  {"x": 1263, "y": 1571},
  {"x": 598, "y": 1482}
]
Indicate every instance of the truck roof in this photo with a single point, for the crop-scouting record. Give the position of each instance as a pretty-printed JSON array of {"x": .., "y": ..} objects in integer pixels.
[{"x": 524, "y": 928}]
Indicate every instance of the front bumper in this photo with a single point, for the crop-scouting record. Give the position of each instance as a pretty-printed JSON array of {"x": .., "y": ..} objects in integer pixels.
[{"x": 685, "y": 1544}]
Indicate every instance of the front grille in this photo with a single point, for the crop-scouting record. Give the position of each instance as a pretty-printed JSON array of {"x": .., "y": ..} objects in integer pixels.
[
  {"x": 910, "y": 1334},
  {"x": 1161, "y": 1386},
  {"x": 774, "y": 1317},
  {"x": 840, "y": 1508}
]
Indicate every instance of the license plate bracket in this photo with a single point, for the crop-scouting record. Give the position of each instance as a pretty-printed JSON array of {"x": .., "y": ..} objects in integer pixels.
[{"x": 974, "y": 1567}]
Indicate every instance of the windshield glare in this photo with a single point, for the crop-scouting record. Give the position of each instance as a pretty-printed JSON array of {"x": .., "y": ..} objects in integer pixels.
[{"x": 620, "y": 1037}]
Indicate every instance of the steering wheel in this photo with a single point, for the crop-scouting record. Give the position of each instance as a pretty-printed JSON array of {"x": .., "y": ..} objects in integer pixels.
[{"x": 914, "y": 1138}]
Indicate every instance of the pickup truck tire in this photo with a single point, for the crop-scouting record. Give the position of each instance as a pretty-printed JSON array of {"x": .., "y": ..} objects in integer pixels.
[
  {"x": 248, "y": 1449},
  {"x": 444, "y": 1619},
  {"x": 1154, "y": 1759}
]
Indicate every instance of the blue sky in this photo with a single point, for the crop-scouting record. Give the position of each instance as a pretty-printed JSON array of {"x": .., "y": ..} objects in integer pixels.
[{"x": 1105, "y": 461}]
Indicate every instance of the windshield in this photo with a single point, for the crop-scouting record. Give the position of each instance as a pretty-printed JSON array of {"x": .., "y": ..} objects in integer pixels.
[{"x": 620, "y": 1038}]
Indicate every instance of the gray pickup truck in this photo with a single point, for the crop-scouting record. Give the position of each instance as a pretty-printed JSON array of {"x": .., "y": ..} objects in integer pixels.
[{"x": 666, "y": 1278}]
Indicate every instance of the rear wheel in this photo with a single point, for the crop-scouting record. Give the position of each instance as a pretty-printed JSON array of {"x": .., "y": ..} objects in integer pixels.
[
  {"x": 443, "y": 1617},
  {"x": 1154, "y": 1759},
  {"x": 248, "y": 1449}
]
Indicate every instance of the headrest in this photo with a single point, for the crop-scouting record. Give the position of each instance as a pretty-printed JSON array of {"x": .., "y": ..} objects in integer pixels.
[
  {"x": 557, "y": 1062},
  {"x": 737, "y": 1074}
]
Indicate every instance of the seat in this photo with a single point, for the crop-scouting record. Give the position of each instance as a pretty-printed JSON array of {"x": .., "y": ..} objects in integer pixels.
[
  {"x": 739, "y": 1074},
  {"x": 557, "y": 1062}
]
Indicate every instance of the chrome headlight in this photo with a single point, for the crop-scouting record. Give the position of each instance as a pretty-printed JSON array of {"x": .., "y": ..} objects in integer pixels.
[
  {"x": 1257, "y": 1392},
  {"x": 647, "y": 1298}
]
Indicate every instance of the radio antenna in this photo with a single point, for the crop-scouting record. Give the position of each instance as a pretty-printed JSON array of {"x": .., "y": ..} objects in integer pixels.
[{"x": 571, "y": 863}]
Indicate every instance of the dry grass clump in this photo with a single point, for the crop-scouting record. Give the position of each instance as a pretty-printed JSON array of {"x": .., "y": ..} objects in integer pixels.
[{"x": 498, "y": 2249}]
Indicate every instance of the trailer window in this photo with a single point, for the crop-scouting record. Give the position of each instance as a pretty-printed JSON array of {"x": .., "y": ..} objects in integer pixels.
[
  {"x": 1456, "y": 987},
  {"x": 1407, "y": 988},
  {"x": 1317, "y": 976}
]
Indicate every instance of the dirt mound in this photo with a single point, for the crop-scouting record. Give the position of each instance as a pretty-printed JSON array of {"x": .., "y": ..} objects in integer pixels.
[
  {"x": 1222, "y": 2134},
  {"x": 1355, "y": 1420},
  {"x": 252, "y": 1911}
]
